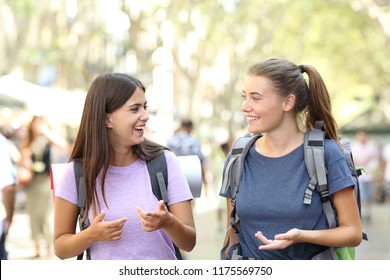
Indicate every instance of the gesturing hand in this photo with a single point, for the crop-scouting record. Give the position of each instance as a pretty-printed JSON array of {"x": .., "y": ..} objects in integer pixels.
[
  {"x": 151, "y": 221},
  {"x": 281, "y": 241},
  {"x": 107, "y": 231}
]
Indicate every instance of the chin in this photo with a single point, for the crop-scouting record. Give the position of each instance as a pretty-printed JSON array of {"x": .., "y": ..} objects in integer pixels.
[
  {"x": 253, "y": 130},
  {"x": 138, "y": 141}
]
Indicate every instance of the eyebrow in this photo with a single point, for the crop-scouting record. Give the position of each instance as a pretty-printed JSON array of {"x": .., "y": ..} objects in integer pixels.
[
  {"x": 252, "y": 93},
  {"x": 137, "y": 104}
]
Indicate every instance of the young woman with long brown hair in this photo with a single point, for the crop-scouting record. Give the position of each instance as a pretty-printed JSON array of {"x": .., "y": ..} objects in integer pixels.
[{"x": 127, "y": 220}]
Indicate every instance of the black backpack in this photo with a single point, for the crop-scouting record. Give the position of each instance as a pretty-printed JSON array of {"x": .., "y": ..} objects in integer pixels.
[{"x": 158, "y": 174}]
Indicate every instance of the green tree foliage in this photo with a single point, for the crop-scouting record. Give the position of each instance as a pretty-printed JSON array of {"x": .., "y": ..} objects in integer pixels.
[{"x": 209, "y": 44}]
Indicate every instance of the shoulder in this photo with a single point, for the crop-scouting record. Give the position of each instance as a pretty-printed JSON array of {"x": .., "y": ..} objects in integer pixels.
[
  {"x": 331, "y": 146},
  {"x": 333, "y": 151},
  {"x": 171, "y": 159},
  {"x": 169, "y": 155},
  {"x": 64, "y": 181},
  {"x": 62, "y": 171},
  {"x": 174, "y": 163}
]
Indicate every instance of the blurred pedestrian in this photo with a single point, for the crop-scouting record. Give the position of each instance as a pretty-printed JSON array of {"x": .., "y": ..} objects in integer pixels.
[
  {"x": 183, "y": 143},
  {"x": 7, "y": 194},
  {"x": 13, "y": 146},
  {"x": 126, "y": 219},
  {"x": 366, "y": 154},
  {"x": 34, "y": 175},
  {"x": 274, "y": 223},
  {"x": 13, "y": 149}
]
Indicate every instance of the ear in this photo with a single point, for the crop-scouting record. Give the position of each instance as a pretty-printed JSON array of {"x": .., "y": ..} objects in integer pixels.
[
  {"x": 107, "y": 121},
  {"x": 289, "y": 102}
]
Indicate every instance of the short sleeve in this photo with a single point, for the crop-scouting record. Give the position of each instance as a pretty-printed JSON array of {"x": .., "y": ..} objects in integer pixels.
[
  {"x": 178, "y": 188},
  {"x": 66, "y": 188}
]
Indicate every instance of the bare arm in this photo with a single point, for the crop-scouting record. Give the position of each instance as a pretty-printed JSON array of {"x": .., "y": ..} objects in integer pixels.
[
  {"x": 68, "y": 243},
  {"x": 348, "y": 232},
  {"x": 182, "y": 230}
]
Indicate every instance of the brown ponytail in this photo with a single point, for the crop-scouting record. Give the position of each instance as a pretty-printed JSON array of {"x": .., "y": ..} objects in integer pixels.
[
  {"x": 312, "y": 98},
  {"x": 319, "y": 104}
]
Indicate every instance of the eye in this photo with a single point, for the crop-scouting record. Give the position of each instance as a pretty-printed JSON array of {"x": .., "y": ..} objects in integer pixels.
[
  {"x": 254, "y": 98},
  {"x": 138, "y": 107}
]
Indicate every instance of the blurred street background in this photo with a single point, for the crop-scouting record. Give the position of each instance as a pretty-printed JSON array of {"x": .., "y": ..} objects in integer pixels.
[{"x": 192, "y": 56}]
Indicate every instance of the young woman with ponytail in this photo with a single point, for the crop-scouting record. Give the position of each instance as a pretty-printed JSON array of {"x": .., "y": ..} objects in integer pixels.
[{"x": 281, "y": 104}]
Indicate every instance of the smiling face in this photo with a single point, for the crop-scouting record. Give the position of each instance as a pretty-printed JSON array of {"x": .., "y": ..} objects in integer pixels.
[
  {"x": 126, "y": 125},
  {"x": 263, "y": 107}
]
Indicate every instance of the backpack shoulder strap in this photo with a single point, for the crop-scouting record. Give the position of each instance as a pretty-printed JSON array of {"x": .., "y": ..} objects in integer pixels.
[
  {"x": 78, "y": 172},
  {"x": 83, "y": 221},
  {"x": 158, "y": 174},
  {"x": 314, "y": 154},
  {"x": 315, "y": 163},
  {"x": 232, "y": 172},
  {"x": 233, "y": 167}
]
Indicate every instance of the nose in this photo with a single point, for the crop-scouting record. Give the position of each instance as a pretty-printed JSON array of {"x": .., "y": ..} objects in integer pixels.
[
  {"x": 245, "y": 107},
  {"x": 145, "y": 115}
]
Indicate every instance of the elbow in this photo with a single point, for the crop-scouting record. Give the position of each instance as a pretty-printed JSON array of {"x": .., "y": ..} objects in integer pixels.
[
  {"x": 61, "y": 255},
  {"x": 59, "y": 252},
  {"x": 357, "y": 239},
  {"x": 190, "y": 245}
]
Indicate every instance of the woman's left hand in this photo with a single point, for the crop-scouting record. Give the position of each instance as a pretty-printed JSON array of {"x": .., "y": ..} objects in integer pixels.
[
  {"x": 281, "y": 241},
  {"x": 151, "y": 221}
]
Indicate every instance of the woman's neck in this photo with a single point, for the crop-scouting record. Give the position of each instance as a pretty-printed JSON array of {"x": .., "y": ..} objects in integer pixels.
[
  {"x": 279, "y": 143},
  {"x": 122, "y": 158}
]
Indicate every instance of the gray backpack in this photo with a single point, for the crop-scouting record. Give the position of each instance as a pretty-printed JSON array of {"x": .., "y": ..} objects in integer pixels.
[{"x": 315, "y": 164}]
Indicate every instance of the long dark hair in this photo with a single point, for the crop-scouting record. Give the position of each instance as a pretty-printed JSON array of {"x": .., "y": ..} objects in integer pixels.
[
  {"x": 107, "y": 93},
  {"x": 312, "y": 98}
]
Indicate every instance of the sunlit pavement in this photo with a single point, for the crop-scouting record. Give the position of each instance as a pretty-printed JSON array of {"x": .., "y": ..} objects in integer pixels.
[
  {"x": 210, "y": 236},
  {"x": 378, "y": 230}
]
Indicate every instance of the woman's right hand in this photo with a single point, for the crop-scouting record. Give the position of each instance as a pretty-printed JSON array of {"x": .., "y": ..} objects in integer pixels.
[
  {"x": 280, "y": 241},
  {"x": 101, "y": 230}
]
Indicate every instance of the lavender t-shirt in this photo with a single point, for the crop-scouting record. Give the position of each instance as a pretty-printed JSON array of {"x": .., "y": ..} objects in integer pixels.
[{"x": 125, "y": 188}]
